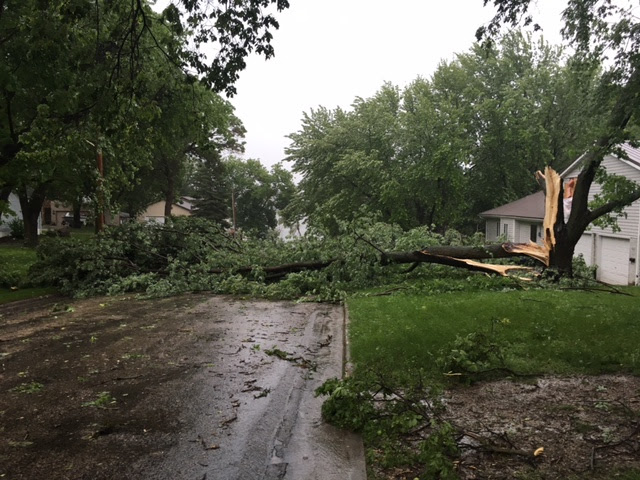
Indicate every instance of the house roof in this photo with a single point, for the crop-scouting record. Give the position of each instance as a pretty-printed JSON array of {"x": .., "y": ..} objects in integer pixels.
[
  {"x": 530, "y": 207},
  {"x": 186, "y": 202}
]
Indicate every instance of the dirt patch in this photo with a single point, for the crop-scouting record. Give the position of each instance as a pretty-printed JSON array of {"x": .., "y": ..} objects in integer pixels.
[
  {"x": 544, "y": 428},
  {"x": 587, "y": 426}
]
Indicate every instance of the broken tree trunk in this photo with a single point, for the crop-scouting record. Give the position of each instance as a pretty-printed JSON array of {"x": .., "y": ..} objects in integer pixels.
[{"x": 464, "y": 256}]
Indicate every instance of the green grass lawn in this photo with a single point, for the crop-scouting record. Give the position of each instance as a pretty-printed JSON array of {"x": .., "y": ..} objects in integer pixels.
[
  {"x": 539, "y": 331},
  {"x": 84, "y": 233},
  {"x": 15, "y": 261}
]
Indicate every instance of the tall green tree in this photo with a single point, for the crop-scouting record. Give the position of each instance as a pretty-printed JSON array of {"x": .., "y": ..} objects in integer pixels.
[
  {"x": 209, "y": 186},
  {"x": 234, "y": 29},
  {"x": 256, "y": 194},
  {"x": 192, "y": 119},
  {"x": 446, "y": 148},
  {"x": 598, "y": 30},
  {"x": 523, "y": 113},
  {"x": 348, "y": 161},
  {"x": 64, "y": 86}
]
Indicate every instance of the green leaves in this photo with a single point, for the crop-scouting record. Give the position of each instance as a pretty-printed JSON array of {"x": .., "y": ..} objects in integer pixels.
[{"x": 235, "y": 28}]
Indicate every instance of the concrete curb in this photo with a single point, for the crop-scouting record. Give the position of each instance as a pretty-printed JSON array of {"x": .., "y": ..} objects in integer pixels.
[
  {"x": 347, "y": 370},
  {"x": 347, "y": 365}
]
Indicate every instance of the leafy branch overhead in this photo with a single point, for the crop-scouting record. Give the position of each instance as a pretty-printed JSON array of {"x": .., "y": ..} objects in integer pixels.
[{"x": 232, "y": 29}]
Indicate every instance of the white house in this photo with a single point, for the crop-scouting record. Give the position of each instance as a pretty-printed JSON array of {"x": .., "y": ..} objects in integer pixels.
[
  {"x": 14, "y": 205},
  {"x": 518, "y": 222},
  {"x": 614, "y": 253}
]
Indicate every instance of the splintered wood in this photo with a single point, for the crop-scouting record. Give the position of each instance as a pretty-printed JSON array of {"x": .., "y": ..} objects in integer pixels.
[
  {"x": 553, "y": 183},
  {"x": 470, "y": 264}
]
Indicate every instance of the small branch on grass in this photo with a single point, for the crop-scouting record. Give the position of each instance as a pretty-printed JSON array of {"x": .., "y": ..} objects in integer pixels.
[
  {"x": 487, "y": 446},
  {"x": 609, "y": 288},
  {"x": 506, "y": 370},
  {"x": 632, "y": 435}
]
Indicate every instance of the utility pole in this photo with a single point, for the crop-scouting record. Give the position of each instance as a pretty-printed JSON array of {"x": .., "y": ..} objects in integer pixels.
[{"x": 100, "y": 188}]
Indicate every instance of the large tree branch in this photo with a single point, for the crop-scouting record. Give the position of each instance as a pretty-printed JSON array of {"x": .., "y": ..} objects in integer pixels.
[
  {"x": 471, "y": 253},
  {"x": 612, "y": 205}
]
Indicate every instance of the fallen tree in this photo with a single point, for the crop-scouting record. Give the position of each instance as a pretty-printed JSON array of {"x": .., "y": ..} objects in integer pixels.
[{"x": 190, "y": 254}]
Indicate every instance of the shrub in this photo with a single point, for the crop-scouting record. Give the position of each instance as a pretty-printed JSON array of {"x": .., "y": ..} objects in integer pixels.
[{"x": 16, "y": 227}]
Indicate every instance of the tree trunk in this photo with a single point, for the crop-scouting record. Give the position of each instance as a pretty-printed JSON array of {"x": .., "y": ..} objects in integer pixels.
[
  {"x": 561, "y": 258},
  {"x": 77, "y": 205},
  {"x": 470, "y": 253},
  {"x": 169, "y": 196},
  {"x": 4, "y": 193},
  {"x": 31, "y": 206},
  {"x": 561, "y": 238}
]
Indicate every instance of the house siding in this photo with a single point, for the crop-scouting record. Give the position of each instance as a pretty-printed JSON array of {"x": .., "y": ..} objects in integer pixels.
[
  {"x": 155, "y": 212},
  {"x": 510, "y": 223},
  {"x": 524, "y": 232},
  {"x": 585, "y": 248},
  {"x": 491, "y": 229},
  {"x": 14, "y": 204},
  {"x": 628, "y": 225}
]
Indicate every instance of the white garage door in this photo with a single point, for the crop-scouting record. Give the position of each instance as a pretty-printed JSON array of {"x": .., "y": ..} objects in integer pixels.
[
  {"x": 585, "y": 247},
  {"x": 614, "y": 260}
]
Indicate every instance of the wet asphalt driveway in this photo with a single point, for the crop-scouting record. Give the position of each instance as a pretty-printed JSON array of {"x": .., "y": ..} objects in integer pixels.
[{"x": 255, "y": 415}]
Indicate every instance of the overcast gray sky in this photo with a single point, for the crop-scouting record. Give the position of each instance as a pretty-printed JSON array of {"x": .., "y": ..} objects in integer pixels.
[{"x": 330, "y": 51}]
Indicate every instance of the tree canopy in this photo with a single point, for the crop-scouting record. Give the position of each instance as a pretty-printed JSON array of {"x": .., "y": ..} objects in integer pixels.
[
  {"x": 444, "y": 149},
  {"x": 117, "y": 77},
  {"x": 256, "y": 194}
]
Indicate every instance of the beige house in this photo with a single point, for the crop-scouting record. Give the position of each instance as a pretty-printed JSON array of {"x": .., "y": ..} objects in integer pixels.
[
  {"x": 155, "y": 211},
  {"x": 55, "y": 213}
]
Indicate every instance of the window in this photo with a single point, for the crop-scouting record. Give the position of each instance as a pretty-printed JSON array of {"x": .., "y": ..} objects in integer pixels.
[
  {"x": 505, "y": 230},
  {"x": 533, "y": 235},
  {"x": 497, "y": 228}
]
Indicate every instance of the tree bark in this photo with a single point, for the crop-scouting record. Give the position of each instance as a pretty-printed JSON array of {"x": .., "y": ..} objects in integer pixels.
[
  {"x": 169, "y": 196},
  {"x": 77, "y": 205},
  {"x": 31, "y": 206}
]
